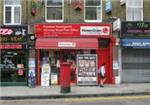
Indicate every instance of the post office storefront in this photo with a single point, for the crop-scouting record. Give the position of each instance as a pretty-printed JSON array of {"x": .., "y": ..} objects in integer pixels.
[{"x": 90, "y": 44}]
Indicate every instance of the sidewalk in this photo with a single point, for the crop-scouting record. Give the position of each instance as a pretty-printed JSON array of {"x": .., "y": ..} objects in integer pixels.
[{"x": 23, "y": 92}]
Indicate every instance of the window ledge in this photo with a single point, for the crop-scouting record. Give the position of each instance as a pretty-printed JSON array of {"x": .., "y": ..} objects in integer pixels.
[
  {"x": 54, "y": 20},
  {"x": 12, "y": 24},
  {"x": 91, "y": 21}
]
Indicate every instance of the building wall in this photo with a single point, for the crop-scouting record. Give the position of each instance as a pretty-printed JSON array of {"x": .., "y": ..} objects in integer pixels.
[
  {"x": 1, "y": 8},
  {"x": 24, "y": 12},
  {"x": 71, "y": 15},
  {"x": 120, "y": 11},
  {"x": 146, "y": 9}
]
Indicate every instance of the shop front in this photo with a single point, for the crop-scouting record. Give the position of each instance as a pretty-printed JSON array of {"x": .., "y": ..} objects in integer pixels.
[
  {"x": 135, "y": 52},
  {"x": 136, "y": 60},
  {"x": 14, "y": 55},
  {"x": 89, "y": 44}
]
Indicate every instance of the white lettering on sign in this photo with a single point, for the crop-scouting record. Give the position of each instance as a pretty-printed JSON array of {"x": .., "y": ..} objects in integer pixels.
[
  {"x": 6, "y": 31},
  {"x": 21, "y": 32},
  {"x": 140, "y": 44},
  {"x": 66, "y": 44},
  {"x": 95, "y": 30},
  {"x": 86, "y": 78}
]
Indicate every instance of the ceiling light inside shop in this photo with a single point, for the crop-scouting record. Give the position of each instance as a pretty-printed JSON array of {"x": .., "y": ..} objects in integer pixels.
[
  {"x": 15, "y": 53},
  {"x": 9, "y": 52}
]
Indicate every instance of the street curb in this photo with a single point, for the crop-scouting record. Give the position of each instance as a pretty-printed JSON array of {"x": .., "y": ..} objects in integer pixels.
[{"x": 71, "y": 96}]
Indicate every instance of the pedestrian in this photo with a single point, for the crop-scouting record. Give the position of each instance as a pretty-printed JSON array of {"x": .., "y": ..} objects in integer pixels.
[{"x": 101, "y": 73}]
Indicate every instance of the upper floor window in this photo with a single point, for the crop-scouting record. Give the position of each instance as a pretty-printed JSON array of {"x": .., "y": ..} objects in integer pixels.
[
  {"x": 93, "y": 10},
  {"x": 12, "y": 12},
  {"x": 54, "y": 10},
  {"x": 134, "y": 10}
]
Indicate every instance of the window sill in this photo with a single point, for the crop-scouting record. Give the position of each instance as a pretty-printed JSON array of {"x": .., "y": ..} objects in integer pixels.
[
  {"x": 91, "y": 21},
  {"x": 12, "y": 24},
  {"x": 54, "y": 21}
]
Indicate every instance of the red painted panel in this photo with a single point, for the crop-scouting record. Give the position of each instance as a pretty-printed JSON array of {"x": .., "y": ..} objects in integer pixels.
[
  {"x": 11, "y": 46},
  {"x": 105, "y": 56}
]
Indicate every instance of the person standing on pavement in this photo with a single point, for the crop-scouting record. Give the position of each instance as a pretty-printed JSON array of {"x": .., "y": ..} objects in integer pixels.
[{"x": 101, "y": 73}]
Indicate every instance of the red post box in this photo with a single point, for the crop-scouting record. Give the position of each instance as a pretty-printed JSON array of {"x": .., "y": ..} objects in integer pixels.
[{"x": 65, "y": 77}]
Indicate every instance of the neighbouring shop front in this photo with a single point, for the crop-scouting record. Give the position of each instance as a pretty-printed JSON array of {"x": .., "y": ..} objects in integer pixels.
[
  {"x": 14, "y": 55},
  {"x": 135, "y": 52},
  {"x": 84, "y": 46}
]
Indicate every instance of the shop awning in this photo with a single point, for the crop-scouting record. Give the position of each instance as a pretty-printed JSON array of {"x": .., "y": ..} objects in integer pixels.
[{"x": 67, "y": 43}]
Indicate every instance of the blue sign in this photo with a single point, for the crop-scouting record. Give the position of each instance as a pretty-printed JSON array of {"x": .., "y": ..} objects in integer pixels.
[
  {"x": 108, "y": 6},
  {"x": 136, "y": 43}
]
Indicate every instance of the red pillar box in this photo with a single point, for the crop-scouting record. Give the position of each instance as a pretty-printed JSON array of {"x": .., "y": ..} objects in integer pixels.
[{"x": 65, "y": 77}]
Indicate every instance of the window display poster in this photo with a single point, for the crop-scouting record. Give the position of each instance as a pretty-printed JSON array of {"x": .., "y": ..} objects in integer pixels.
[
  {"x": 45, "y": 75},
  {"x": 115, "y": 65},
  {"x": 54, "y": 79},
  {"x": 86, "y": 69}
]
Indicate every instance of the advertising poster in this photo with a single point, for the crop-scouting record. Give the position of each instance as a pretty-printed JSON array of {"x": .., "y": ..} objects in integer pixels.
[
  {"x": 54, "y": 79},
  {"x": 86, "y": 69},
  {"x": 45, "y": 73},
  {"x": 31, "y": 73}
]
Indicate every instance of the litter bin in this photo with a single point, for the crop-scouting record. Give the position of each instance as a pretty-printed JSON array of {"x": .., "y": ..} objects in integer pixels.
[{"x": 65, "y": 77}]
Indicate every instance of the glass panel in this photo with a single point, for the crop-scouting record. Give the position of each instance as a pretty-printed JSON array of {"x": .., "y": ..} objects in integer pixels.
[
  {"x": 8, "y": 15},
  {"x": 17, "y": 15},
  {"x": 93, "y": 2},
  {"x": 54, "y": 2},
  {"x": 12, "y": 2},
  {"x": 54, "y": 13},
  {"x": 91, "y": 13},
  {"x": 9, "y": 66},
  {"x": 98, "y": 13}
]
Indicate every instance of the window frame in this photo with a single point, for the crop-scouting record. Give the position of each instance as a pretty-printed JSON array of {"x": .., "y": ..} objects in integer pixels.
[
  {"x": 132, "y": 8},
  {"x": 49, "y": 20},
  {"x": 98, "y": 20},
  {"x": 12, "y": 13}
]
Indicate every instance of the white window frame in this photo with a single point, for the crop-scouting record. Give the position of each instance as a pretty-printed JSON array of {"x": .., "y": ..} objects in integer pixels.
[
  {"x": 92, "y": 6},
  {"x": 12, "y": 13},
  {"x": 48, "y": 20},
  {"x": 130, "y": 7}
]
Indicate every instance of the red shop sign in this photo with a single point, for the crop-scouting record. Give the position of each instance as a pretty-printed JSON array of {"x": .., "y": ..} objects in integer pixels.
[
  {"x": 72, "y": 30},
  {"x": 10, "y": 46}
]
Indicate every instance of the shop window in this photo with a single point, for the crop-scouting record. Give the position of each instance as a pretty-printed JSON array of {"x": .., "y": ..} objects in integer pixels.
[
  {"x": 93, "y": 52},
  {"x": 54, "y": 10},
  {"x": 13, "y": 66},
  {"x": 103, "y": 43},
  {"x": 68, "y": 57},
  {"x": 93, "y": 10},
  {"x": 12, "y": 12}
]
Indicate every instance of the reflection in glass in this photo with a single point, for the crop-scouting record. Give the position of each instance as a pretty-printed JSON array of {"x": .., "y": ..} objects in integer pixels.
[
  {"x": 8, "y": 15},
  {"x": 92, "y": 2},
  {"x": 54, "y": 2},
  {"x": 12, "y": 2},
  {"x": 16, "y": 14},
  {"x": 54, "y": 13}
]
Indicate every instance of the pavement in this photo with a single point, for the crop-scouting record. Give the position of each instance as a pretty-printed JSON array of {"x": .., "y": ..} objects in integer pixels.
[{"x": 24, "y": 92}]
